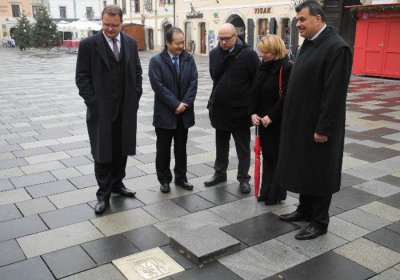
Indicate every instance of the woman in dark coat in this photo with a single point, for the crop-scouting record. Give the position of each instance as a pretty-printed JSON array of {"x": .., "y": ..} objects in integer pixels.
[{"x": 266, "y": 108}]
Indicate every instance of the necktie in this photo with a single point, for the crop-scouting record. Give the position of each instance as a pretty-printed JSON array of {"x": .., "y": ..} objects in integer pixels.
[
  {"x": 175, "y": 59},
  {"x": 115, "y": 49}
]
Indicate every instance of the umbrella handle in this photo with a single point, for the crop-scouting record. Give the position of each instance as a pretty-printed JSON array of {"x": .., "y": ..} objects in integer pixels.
[{"x": 257, "y": 131}]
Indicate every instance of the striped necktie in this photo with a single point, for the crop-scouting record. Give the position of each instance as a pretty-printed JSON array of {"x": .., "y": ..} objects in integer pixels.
[{"x": 115, "y": 48}]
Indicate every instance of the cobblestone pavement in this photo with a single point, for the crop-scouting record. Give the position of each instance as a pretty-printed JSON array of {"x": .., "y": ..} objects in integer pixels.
[{"x": 48, "y": 228}]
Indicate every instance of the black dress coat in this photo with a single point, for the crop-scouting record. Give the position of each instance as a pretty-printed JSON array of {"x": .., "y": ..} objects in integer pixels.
[
  {"x": 170, "y": 90},
  {"x": 315, "y": 102},
  {"x": 266, "y": 100},
  {"x": 233, "y": 75},
  {"x": 94, "y": 84}
]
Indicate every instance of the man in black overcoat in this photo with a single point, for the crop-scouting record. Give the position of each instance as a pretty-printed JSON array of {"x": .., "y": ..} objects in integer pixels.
[
  {"x": 233, "y": 65},
  {"x": 109, "y": 79},
  {"x": 313, "y": 125},
  {"x": 173, "y": 78}
]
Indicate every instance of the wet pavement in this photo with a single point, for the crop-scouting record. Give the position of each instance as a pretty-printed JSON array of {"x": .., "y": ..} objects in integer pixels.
[{"x": 48, "y": 229}]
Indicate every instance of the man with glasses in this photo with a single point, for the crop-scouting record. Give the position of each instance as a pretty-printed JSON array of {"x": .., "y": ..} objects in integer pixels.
[
  {"x": 233, "y": 65},
  {"x": 109, "y": 79}
]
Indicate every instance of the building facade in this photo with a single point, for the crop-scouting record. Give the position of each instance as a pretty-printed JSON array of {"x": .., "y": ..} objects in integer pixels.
[
  {"x": 11, "y": 11},
  {"x": 157, "y": 16},
  {"x": 201, "y": 19}
]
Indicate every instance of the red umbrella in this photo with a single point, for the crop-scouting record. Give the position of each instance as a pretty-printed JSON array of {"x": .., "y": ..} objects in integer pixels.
[{"x": 257, "y": 163}]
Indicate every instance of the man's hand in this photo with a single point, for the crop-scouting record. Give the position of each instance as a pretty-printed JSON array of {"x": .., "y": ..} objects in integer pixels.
[
  {"x": 266, "y": 121},
  {"x": 255, "y": 119},
  {"x": 320, "y": 138},
  {"x": 181, "y": 108}
]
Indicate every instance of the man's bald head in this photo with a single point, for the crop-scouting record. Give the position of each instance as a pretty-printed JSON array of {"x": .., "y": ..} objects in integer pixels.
[{"x": 227, "y": 36}]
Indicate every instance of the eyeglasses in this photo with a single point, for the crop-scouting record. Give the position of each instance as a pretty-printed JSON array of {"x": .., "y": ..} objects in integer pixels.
[{"x": 226, "y": 39}]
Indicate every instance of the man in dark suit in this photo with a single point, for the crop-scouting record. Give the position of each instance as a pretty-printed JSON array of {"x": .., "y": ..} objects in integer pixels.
[
  {"x": 109, "y": 79},
  {"x": 173, "y": 77},
  {"x": 233, "y": 65},
  {"x": 313, "y": 124}
]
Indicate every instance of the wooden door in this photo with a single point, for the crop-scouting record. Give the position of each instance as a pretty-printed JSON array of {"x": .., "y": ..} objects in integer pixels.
[
  {"x": 391, "y": 50},
  {"x": 203, "y": 37},
  {"x": 375, "y": 42}
]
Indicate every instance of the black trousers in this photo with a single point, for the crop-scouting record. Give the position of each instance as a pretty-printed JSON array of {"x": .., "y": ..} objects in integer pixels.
[
  {"x": 163, "y": 153},
  {"x": 315, "y": 208},
  {"x": 242, "y": 143},
  {"x": 270, "y": 190},
  {"x": 109, "y": 175}
]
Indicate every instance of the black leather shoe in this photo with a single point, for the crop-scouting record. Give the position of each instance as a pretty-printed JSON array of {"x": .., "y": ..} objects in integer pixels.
[
  {"x": 185, "y": 185},
  {"x": 293, "y": 217},
  {"x": 164, "y": 188},
  {"x": 101, "y": 206},
  {"x": 215, "y": 180},
  {"x": 125, "y": 192},
  {"x": 245, "y": 187},
  {"x": 309, "y": 232}
]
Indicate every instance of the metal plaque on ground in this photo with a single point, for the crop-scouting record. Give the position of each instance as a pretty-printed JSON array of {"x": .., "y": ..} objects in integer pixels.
[{"x": 147, "y": 265}]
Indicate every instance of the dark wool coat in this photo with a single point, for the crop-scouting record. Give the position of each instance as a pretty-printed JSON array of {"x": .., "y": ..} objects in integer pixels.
[
  {"x": 315, "y": 102},
  {"x": 170, "y": 90},
  {"x": 94, "y": 83},
  {"x": 229, "y": 101},
  {"x": 265, "y": 100}
]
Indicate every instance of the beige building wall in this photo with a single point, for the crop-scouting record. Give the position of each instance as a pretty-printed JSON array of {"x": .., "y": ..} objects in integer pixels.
[
  {"x": 7, "y": 20},
  {"x": 201, "y": 19}
]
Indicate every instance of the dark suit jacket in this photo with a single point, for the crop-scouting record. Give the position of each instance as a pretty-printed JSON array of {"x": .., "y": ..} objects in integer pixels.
[
  {"x": 170, "y": 90},
  {"x": 95, "y": 86}
]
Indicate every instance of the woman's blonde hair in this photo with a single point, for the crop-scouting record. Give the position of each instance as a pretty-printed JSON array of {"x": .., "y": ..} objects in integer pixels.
[{"x": 273, "y": 44}]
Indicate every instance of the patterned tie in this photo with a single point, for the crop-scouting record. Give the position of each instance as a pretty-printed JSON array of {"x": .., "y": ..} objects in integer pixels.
[
  {"x": 115, "y": 48},
  {"x": 175, "y": 59}
]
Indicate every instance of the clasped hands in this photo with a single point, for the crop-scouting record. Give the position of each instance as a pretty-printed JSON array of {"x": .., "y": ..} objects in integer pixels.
[
  {"x": 257, "y": 120},
  {"x": 181, "y": 108}
]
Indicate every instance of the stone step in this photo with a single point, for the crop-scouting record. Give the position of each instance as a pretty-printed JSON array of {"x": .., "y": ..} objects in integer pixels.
[{"x": 205, "y": 244}]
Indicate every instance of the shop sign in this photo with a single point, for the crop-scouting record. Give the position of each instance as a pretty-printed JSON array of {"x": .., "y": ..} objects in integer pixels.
[
  {"x": 194, "y": 15},
  {"x": 264, "y": 10}
]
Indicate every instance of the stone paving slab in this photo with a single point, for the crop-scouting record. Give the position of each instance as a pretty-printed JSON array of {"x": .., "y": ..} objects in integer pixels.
[
  {"x": 328, "y": 266},
  {"x": 165, "y": 210},
  {"x": 35, "y": 206},
  {"x": 378, "y": 188},
  {"x": 123, "y": 221},
  {"x": 13, "y": 196},
  {"x": 107, "y": 271},
  {"x": 59, "y": 238},
  {"x": 33, "y": 269},
  {"x": 312, "y": 248},
  {"x": 364, "y": 219},
  {"x": 382, "y": 210},
  {"x": 204, "y": 250},
  {"x": 191, "y": 222},
  {"x": 272, "y": 256},
  {"x": 369, "y": 254}
]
